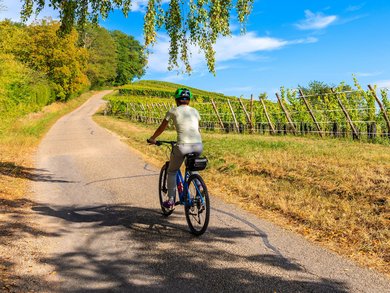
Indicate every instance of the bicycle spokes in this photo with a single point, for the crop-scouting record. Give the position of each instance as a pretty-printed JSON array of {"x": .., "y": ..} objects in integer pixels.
[{"x": 197, "y": 209}]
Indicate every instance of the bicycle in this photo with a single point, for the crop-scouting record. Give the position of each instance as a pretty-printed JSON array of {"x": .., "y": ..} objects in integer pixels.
[{"x": 192, "y": 191}]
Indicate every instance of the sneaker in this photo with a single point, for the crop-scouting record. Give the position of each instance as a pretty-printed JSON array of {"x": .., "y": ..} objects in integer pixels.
[{"x": 168, "y": 204}]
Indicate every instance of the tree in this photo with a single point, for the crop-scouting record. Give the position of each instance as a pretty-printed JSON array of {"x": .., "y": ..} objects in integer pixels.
[
  {"x": 21, "y": 87},
  {"x": 199, "y": 22},
  {"x": 59, "y": 58},
  {"x": 102, "y": 61},
  {"x": 130, "y": 58}
]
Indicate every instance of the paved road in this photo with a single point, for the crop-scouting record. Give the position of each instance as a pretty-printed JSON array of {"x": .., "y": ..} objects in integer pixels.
[{"x": 101, "y": 230}]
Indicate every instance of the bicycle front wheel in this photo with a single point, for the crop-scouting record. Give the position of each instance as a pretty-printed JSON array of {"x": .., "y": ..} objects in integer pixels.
[
  {"x": 197, "y": 208},
  {"x": 163, "y": 190}
]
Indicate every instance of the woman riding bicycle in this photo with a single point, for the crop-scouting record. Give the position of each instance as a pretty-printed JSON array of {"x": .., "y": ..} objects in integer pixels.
[{"x": 186, "y": 120}]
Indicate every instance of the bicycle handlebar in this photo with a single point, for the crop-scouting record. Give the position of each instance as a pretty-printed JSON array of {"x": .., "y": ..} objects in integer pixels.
[{"x": 161, "y": 142}]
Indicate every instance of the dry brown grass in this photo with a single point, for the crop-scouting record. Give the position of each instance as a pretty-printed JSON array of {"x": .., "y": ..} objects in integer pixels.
[{"x": 333, "y": 192}]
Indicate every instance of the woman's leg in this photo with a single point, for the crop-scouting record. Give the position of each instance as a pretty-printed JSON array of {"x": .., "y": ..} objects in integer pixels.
[
  {"x": 177, "y": 158},
  {"x": 175, "y": 162}
]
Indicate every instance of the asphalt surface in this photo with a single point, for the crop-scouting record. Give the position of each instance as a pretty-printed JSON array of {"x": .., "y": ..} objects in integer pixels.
[{"x": 101, "y": 230}]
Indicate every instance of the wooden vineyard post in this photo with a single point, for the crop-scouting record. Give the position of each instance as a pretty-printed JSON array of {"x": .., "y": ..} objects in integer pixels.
[
  {"x": 286, "y": 113},
  {"x": 216, "y": 113},
  {"x": 266, "y": 115},
  {"x": 143, "y": 113},
  {"x": 134, "y": 111},
  {"x": 382, "y": 109},
  {"x": 251, "y": 115},
  {"x": 149, "y": 119},
  {"x": 234, "y": 117},
  {"x": 248, "y": 118},
  {"x": 355, "y": 133},
  {"x": 161, "y": 108},
  {"x": 311, "y": 113}
]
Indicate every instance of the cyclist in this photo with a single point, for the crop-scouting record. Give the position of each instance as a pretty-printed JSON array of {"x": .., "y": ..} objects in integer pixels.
[{"x": 186, "y": 120}]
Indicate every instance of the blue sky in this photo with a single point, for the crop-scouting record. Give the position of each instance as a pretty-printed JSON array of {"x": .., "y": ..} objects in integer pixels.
[{"x": 288, "y": 43}]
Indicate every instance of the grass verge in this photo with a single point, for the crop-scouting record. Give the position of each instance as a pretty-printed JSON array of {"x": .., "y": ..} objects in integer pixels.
[
  {"x": 333, "y": 192},
  {"x": 19, "y": 138}
]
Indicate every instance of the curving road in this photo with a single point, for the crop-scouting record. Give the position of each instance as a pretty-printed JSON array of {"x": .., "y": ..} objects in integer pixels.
[{"x": 101, "y": 230}]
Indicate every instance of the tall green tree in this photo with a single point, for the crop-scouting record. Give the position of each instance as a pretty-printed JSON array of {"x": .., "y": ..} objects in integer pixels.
[
  {"x": 102, "y": 61},
  {"x": 198, "y": 22},
  {"x": 131, "y": 60}
]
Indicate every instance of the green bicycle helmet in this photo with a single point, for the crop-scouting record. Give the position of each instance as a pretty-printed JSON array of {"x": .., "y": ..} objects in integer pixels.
[{"x": 183, "y": 94}]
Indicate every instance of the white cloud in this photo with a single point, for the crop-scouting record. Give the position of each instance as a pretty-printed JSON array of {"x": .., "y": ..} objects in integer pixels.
[
  {"x": 382, "y": 83},
  {"x": 235, "y": 47},
  {"x": 353, "y": 8},
  {"x": 368, "y": 74},
  {"x": 315, "y": 21},
  {"x": 239, "y": 46},
  {"x": 140, "y": 5}
]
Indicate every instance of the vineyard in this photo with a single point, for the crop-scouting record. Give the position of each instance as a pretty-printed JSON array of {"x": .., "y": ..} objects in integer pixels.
[{"x": 338, "y": 112}]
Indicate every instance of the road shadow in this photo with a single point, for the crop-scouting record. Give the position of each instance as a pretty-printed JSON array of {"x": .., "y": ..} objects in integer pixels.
[
  {"x": 161, "y": 255},
  {"x": 11, "y": 169},
  {"x": 15, "y": 222},
  {"x": 16, "y": 226}
]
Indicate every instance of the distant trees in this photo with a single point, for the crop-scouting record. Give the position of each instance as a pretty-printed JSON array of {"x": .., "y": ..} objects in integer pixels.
[
  {"x": 36, "y": 56},
  {"x": 114, "y": 57},
  {"x": 59, "y": 58},
  {"x": 102, "y": 61},
  {"x": 130, "y": 58}
]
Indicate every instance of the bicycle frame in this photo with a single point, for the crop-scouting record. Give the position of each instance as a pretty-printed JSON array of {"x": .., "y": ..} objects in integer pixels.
[
  {"x": 183, "y": 181},
  {"x": 192, "y": 193},
  {"x": 185, "y": 192}
]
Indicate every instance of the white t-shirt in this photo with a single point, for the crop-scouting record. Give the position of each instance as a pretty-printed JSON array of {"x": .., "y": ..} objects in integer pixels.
[{"x": 186, "y": 120}]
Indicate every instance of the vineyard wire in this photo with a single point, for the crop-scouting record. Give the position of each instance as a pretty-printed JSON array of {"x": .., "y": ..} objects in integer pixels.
[{"x": 372, "y": 127}]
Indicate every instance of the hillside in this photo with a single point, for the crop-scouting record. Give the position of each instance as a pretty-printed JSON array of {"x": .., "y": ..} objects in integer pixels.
[{"x": 163, "y": 89}]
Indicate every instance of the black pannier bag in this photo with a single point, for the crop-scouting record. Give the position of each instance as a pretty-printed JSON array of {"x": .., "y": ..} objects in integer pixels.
[{"x": 196, "y": 163}]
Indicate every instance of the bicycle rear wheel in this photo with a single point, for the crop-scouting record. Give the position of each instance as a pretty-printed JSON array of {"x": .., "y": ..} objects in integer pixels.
[
  {"x": 163, "y": 190},
  {"x": 197, "y": 208}
]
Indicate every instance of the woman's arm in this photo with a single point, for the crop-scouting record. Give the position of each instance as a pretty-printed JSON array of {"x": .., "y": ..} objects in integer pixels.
[{"x": 158, "y": 131}]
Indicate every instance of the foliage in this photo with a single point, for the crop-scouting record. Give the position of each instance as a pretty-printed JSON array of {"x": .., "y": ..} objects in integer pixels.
[
  {"x": 59, "y": 58},
  {"x": 198, "y": 22},
  {"x": 130, "y": 59},
  {"x": 22, "y": 90},
  {"x": 102, "y": 61},
  {"x": 38, "y": 66},
  {"x": 385, "y": 99}
]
